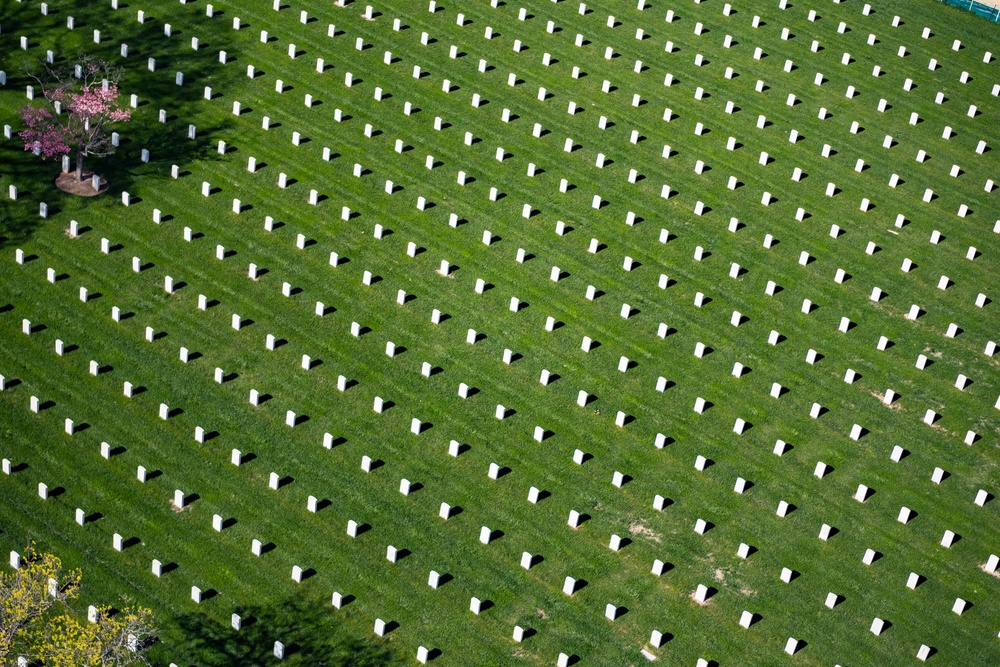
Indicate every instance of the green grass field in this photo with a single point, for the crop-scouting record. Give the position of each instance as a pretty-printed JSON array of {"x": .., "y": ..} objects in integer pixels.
[{"x": 300, "y": 614}]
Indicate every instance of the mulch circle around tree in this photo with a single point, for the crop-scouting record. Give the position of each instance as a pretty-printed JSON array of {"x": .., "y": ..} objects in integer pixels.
[{"x": 66, "y": 181}]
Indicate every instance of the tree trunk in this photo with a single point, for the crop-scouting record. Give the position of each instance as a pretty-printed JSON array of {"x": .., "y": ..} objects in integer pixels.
[{"x": 79, "y": 165}]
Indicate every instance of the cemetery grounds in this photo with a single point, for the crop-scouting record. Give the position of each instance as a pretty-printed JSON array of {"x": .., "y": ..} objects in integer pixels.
[{"x": 596, "y": 219}]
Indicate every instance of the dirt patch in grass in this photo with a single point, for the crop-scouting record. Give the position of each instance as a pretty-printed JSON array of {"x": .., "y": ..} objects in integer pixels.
[
  {"x": 720, "y": 577},
  {"x": 942, "y": 429},
  {"x": 175, "y": 508},
  {"x": 700, "y": 604},
  {"x": 66, "y": 181},
  {"x": 640, "y": 530},
  {"x": 881, "y": 398}
]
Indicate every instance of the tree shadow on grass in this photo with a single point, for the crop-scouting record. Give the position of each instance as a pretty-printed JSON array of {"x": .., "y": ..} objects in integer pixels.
[
  {"x": 167, "y": 143},
  {"x": 311, "y": 634}
]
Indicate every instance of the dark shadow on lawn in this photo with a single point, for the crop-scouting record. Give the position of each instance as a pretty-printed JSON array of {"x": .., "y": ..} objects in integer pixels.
[
  {"x": 310, "y": 626},
  {"x": 167, "y": 144}
]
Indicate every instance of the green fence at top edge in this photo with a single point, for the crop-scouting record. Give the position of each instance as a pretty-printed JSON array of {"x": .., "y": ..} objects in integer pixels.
[{"x": 978, "y": 8}]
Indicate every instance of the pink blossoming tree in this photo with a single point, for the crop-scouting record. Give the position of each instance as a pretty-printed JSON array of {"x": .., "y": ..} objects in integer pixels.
[{"x": 82, "y": 101}]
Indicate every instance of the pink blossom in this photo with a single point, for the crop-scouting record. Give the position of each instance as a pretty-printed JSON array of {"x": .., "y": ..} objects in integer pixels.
[
  {"x": 49, "y": 143},
  {"x": 34, "y": 116},
  {"x": 43, "y": 134},
  {"x": 82, "y": 126},
  {"x": 97, "y": 102}
]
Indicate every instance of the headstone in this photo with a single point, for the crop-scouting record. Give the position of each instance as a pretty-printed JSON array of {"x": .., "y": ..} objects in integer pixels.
[{"x": 991, "y": 563}]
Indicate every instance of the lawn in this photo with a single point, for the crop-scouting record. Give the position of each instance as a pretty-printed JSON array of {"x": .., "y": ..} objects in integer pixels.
[{"x": 870, "y": 247}]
